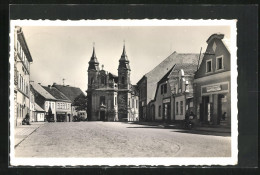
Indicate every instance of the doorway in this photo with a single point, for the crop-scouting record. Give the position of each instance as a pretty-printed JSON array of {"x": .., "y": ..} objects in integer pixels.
[
  {"x": 204, "y": 108},
  {"x": 102, "y": 115},
  {"x": 166, "y": 112}
]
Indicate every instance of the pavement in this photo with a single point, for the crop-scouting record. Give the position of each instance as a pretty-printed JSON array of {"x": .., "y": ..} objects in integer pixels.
[
  {"x": 121, "y": 139},
  {"x": 23, "y": 131}
]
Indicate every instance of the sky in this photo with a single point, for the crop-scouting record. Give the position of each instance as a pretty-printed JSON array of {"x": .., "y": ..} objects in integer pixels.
[{"x": 64, "y": 51}]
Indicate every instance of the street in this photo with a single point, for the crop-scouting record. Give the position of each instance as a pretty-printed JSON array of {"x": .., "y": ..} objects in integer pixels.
[{"x": 117, "y": 139}]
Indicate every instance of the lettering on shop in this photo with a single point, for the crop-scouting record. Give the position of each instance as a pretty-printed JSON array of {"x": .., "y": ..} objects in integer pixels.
[{"x": 213, "y": 88}]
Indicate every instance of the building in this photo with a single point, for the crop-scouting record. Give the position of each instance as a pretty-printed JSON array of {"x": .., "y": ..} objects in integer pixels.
[
  {"x": 174, "y": 94},
  {"x": 32, "y": 107},
  {"x": 181, "y": 81},
  {"x": 74, "y": 94},
  {"x": 62, "y": 105},
  {"x": 212, "y": 84},
  {"x": 22, "y": 60},
  {"x": 44, "y": 99},
  {"x": 39, "y": 114},
  {"x": 111, "y": 97},
  {"x": 148, "y": 83}
]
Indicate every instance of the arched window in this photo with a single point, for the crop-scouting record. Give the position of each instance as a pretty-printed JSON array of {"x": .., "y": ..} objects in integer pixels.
[
  {"x": 123, "y": 80},
  {"x": 102, "y": 80},
  {"x": 92, "y": 80}
]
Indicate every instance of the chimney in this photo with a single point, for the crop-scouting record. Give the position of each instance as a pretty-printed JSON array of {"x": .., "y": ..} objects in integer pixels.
[{"x": 39, "y": 83}]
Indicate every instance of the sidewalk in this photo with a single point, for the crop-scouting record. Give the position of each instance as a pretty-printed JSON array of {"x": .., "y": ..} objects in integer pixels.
[
  {"x": 23, "y": 131},
  {"x": 220, "y": 129}
]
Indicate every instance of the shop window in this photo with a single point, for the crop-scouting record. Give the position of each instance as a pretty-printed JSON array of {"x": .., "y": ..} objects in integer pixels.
[
  {"x": 208, "y": 66},
  {"x": 181, "y": 107},
  {"x": 159, "y": 111},
  {"x": 219, "y": 63}
]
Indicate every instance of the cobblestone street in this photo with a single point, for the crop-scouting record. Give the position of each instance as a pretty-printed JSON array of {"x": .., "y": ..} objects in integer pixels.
[{"x": 115, "y": 139}]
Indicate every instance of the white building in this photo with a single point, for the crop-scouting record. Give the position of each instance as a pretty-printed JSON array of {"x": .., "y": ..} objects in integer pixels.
[{"x": 22, "y": 60}]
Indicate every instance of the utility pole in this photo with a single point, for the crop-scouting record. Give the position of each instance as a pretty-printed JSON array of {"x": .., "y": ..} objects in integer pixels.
[{"x": 199, "y": 59}]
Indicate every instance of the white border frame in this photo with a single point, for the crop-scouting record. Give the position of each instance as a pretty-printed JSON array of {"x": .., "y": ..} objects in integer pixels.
[{"x": 14, "y": 161}]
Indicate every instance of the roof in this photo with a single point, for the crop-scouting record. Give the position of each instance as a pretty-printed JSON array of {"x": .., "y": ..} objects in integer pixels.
[
  {"x": 163, "y": 79},
  {"x": 188, "y": 68},
  {"x": 23, "y": 43},
  {"x": 38, "y": 88},
  {"x": 38, "y": 108},
  {"x": 113, "y": 76},
  {"x": 160, "y": 70},
  {"x": 215, "y": 35},
  {"x": 69, "y": 91},
  {"x": 56, "y": 93}
]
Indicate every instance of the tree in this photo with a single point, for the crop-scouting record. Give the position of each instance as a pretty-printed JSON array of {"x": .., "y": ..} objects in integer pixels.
[{"x": 80, "y": 103}]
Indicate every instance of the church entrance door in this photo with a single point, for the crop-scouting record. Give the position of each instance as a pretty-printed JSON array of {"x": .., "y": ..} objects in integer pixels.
[{"x": 102, "y": 115}]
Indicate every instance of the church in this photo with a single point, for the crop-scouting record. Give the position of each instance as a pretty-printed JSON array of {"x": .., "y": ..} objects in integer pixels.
[{"x": 111, "y": 97}]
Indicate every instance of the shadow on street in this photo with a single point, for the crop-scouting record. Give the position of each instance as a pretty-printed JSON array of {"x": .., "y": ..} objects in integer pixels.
[{"x": 178, "y": 128}]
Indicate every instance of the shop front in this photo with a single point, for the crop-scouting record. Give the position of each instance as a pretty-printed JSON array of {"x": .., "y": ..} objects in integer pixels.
[{"x": 214, "y": 104}]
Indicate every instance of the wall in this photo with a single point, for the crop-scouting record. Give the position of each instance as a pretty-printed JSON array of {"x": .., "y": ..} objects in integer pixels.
[
  {"x": 159, "y": 100},
  {"x": 179, "y": 115}
]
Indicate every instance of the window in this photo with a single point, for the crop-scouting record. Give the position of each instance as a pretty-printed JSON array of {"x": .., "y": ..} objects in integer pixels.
[
  {"x": 123, "y": 80},
  {"x": 115, "y": 101},
  {"x": 219, "y": 63},
  {"x": 208, "y": 66},
  {"x": 136, "y": 103},
  {"x": 129, "y": 102},
  {"x": 159, "y": 111},
  {"x": 102, "y": 80},
  {"x": 177, "y": 108},
  {"x": 68, "y": 106},
  {"x": 181, "y": 106},
  {"x": 165, "y": 88},
  {"x": 102, "y": 100},
  {"x": 133, "y": 103},
  {"x": 58, "y": 105},
  {"x": 92, "y": 80}
]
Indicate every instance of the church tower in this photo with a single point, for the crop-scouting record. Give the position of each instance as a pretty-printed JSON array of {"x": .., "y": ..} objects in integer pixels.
[
  {"x": 124, "y": 94},
  {"x": 124, "y": 71},
  {"x": 93, "y": 71}
]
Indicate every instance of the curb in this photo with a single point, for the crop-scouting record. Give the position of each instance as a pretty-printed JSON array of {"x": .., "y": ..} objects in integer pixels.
[{"x": 27, "y": 136}]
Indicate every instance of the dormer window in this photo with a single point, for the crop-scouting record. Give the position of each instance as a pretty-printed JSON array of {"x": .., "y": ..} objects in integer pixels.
[
  {"x": 219, "y": 63},
  {"x": 208, "y": 66}
]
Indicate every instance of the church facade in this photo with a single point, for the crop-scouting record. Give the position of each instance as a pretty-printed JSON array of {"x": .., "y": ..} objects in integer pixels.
[{"x": 111, "y": 97}]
